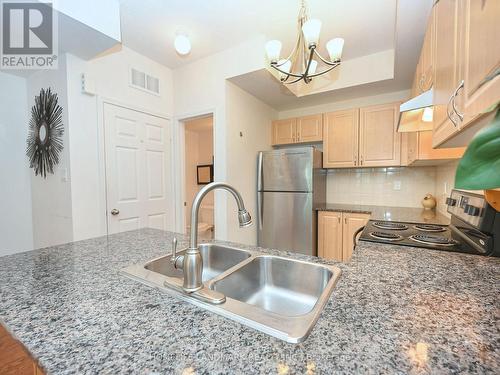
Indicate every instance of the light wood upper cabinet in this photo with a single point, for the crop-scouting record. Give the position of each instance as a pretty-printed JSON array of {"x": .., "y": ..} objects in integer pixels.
[
  {"x": 298, "y": 130},
  {"x": 446, "y": 74},
  {"x": 379, "y": 141},
  {"x": 284, "y": 131},
  {"x": 330, "y": 235},
  {"x": 418, "y": 150},
  {"x": 467, "y": 64},
  {"x": 310, "y": 128},
  {"x": 480, "y": 57},
  {"x": 340, "y": 139},
  {"x": 424, "y": 74},
  {"x": 352, "y": 222}
]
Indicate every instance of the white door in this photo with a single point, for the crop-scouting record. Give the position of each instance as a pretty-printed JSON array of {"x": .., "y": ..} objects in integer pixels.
[{"x": 137, "y": 170}]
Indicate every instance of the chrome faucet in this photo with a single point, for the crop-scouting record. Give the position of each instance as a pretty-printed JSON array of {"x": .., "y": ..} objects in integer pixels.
[{"x": 191, "y": 262}]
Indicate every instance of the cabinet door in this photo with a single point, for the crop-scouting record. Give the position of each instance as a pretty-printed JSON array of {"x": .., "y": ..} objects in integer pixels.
[
  {"x": 340, "y": 139},
  {"x": 379, "y": 141},
  {"x": 446, "y": 74},
  {"x": 409, "y": 147},
  {"x": 330, "y": 235},
  {"x": 427, "y": 59},
  {"x": 426, "y": 152},
  {"x": 284, "y": 131},
  {"x": 480, "y": 28},
  {"x": 352, "y": 222},
  {"x": 310, "y": 128}
]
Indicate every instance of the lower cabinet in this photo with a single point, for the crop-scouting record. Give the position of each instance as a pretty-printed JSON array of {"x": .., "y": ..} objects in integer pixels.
[{"x": 335, "y": 234}]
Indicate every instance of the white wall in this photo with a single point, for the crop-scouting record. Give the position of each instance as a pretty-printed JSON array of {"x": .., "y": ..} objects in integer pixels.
[
  {"x": 200, "y": 87},
  {"x": 248, "y": 122},
  {"x": 347, "y": 104},
  {"x": 110, "y": 74},
  {"x": 16, "y": 232},
  {"x": 51, "y": 197}
]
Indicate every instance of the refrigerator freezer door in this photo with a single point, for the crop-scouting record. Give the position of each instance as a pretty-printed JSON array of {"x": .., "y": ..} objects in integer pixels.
[
  {"x": 285, "y": 222},
  {"x": 286, "y": 170}
]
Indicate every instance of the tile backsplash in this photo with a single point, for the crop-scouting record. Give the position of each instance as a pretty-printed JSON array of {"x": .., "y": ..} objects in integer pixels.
[{"x": 398, "y": 186}]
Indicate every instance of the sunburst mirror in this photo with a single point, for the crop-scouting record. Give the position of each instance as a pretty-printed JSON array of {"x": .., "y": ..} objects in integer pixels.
[{"x": 45, "y": 134}]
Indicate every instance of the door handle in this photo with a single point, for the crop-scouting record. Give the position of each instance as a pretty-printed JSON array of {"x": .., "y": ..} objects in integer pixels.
[{"x": 115, "y": 212}]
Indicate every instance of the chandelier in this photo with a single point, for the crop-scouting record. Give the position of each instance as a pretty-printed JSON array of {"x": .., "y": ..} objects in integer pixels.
[{"x": 301, "y": 63}]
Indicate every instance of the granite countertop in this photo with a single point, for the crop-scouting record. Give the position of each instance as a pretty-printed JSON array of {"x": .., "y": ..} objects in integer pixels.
[
  {"x": 388, "y": 213},
  {"x": 395, "y": 310}
]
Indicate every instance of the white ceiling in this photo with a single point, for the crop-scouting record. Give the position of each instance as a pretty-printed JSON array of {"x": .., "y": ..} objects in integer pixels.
[
  {"x": 410, "y": 24},
  {"x": 150, "y": 26},
  {"x": 368, "y": 26}
]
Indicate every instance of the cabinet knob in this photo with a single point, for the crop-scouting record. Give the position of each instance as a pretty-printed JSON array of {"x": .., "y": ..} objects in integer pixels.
[{"x": 115, "y": 212}]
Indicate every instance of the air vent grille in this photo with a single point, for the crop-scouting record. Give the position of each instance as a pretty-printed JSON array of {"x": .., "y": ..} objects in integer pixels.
[{"x": 145, "y": 82}]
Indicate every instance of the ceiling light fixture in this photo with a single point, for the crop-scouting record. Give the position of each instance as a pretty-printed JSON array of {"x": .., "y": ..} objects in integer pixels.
[
  {"x": 182, "y": 44},
  {"x": 301, "y": 57}
]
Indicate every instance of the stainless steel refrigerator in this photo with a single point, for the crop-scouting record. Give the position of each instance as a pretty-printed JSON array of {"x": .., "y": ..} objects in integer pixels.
[{"x": 290, "y": 184}]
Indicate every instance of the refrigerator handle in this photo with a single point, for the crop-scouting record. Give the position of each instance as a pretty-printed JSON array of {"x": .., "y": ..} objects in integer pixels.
[
  {"x": 259, "y": 171},
  {"x": 260, "y": 210}
]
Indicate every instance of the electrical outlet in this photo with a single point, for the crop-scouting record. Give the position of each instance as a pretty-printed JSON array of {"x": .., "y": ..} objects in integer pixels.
[{"x": 396, "y": 185}]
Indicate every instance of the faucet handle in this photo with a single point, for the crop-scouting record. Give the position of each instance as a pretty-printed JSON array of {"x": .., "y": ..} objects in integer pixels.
[{"x": 174, "y": 249}]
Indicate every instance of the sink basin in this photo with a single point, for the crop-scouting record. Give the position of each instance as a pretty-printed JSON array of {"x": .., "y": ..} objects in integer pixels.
[
  {"x": 216, "y": 260},
  {"x": 281, "y": 297},
  {"x": 279, "y": 285}
]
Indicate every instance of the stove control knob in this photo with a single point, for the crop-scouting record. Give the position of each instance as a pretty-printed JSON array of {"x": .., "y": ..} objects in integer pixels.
[
  {"x": 451, "y": 201},
  {"x": 472, "y": 210}
]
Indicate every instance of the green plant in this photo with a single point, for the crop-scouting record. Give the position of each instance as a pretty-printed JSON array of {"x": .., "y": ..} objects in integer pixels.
[{"x": 479, "y": 168}]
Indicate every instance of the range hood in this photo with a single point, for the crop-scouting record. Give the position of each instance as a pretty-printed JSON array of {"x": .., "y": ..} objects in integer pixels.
[{"x": 411, "y": 113}]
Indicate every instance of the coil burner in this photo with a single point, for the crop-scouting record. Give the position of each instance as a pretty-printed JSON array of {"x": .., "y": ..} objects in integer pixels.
[
  {"x": 429, "y": 228},
  {"x": 390, "y": 225},
  {"x": 386, "y": 236},
  {"x": 433, "y": 240}
]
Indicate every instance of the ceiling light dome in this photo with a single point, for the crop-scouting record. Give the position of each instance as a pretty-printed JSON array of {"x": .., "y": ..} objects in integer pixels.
[{"x": 182, "y": 44}]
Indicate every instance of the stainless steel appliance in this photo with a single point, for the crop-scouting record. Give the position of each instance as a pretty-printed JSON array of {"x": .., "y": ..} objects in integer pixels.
[
  {"x": 474, "y": 228},
  {"x": 290, "y": 183}
]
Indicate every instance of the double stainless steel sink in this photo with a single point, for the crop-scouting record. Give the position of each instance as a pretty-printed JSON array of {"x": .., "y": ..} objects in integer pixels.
[{"x": 279, "y": 296}]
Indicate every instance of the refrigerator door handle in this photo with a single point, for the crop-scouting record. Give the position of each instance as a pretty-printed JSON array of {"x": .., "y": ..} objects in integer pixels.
[
  {"x": 260, "y": 209},
  {"x": 259, "y": 171}
]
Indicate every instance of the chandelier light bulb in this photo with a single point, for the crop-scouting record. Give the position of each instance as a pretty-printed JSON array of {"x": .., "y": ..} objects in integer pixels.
[
  {"x": 284, "y": 65},
  {"x": 182, "y": 44},
  {"x": 273, "y": 49},
  {"x": 334, "y": 48},
  {"x": 311, "y": 30},
  {"x": 313, "y": 66}
]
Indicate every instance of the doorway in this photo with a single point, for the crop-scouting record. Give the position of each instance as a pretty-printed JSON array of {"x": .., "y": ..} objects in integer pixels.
[
  {"x": 199, "y": 171},
  {"x": 137, "y": 151}
]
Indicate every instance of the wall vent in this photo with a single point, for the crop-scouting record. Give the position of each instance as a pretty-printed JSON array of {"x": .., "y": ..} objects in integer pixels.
[{"x": 145, "y": 82}]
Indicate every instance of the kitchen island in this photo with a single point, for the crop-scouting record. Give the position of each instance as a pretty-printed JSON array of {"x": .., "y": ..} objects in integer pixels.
[{"x": 394, "y": 310}]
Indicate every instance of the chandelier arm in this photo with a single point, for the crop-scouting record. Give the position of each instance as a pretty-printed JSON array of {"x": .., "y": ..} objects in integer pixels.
[
  {"x": 294, "y": 81},
  {"x": 311, "y": 54},
  {"x": 331, "y": 67},
  {"x": 327, "y": 62},
  {"x": 288, "y": 74}
]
